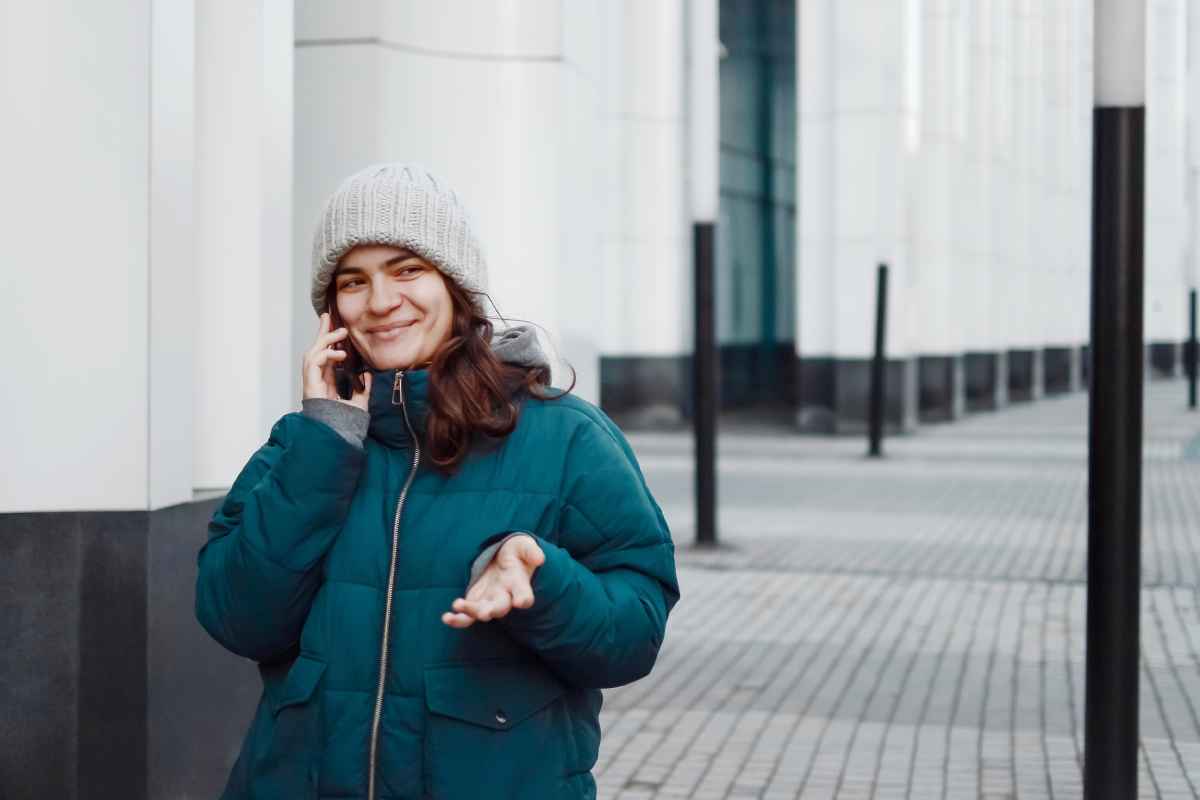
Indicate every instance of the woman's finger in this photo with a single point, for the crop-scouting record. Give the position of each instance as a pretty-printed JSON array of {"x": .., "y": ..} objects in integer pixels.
[
  {"x": 530, "y": 553},
  {"x": 457, "y": 620},
  {"x": 522, "y": 596},
  {"x": 320, "y": 358},
  {"x": 519, "y": 588},
  {"x": 325, "y": 339},
  {"x": 486, "y": 610}
]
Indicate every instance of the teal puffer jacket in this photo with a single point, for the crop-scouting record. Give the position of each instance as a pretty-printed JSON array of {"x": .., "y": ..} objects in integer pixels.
[{"x": 295, "y": 575}]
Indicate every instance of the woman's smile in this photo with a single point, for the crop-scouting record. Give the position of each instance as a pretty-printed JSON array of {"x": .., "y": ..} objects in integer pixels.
[{"x": 393, "y": 331}]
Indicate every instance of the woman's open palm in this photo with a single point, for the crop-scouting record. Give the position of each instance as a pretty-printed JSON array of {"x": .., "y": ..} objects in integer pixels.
[
  {"x": 505, "y": 584},
  {"x": 317, "y": 372}
]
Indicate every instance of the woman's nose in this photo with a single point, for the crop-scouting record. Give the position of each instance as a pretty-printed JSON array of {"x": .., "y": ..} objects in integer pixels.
[{"x": 384, "y": 299}]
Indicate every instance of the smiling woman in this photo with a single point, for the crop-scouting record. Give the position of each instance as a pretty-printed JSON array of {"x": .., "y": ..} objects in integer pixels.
[{"x": 440, "y": 563}]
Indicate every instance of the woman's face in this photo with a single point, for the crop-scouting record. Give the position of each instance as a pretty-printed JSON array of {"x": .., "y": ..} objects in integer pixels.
[{"x": 395, "y": 305}]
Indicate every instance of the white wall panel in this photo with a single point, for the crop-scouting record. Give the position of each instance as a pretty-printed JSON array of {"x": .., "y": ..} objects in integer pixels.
[{"x": 74, "y": 282}]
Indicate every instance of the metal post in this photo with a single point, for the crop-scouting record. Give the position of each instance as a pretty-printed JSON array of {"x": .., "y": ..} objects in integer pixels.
[
  {"x": 703, "y": 156},
  {"x": 878, "y": 365},
  {"x": 1189, "y": 352},
  {"x": 705, "y": 387},
  {"x": 1115, "y": 405}
]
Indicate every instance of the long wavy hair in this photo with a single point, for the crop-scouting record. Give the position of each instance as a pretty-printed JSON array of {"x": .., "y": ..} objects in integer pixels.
[{"x": 474, "y": 397}]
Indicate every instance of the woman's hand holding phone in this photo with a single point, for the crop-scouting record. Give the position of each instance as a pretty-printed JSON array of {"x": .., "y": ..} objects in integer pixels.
[{"x": 317, "y": 373}]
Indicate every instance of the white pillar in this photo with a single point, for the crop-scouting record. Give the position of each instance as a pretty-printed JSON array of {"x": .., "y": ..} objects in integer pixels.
[
  {"x": 815, "y": 214},
  {"x": 1003, "y": 147},
  {"x": 703, "y": 123},
  {"x": 1166, "y": 171},
  {"x": 75, "y": 206},
  {"x": 976, "y": 185},
  {"x": 246, "y": 372},
  {"x": 172, "y": 255},
  {"x": 1192, "y": 271},
  {"x": 647, "y": 284},
  {"x": 853, "y": 113}
]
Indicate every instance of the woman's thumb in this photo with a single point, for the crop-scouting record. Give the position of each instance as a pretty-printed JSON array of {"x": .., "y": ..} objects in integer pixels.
[
  {"x": 531, "y": 554},
  {"x": 362, "y": 399}
]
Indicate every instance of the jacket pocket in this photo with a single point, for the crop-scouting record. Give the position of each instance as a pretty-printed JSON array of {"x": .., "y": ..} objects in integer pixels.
[
  {"x": 495, "y": 728},
  {"x": 290, "y": 758}
]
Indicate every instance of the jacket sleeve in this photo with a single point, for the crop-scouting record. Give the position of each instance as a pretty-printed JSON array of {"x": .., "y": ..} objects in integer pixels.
[
  {"x": 261, "y": 566},
  {"x": 602, "y": 597}
]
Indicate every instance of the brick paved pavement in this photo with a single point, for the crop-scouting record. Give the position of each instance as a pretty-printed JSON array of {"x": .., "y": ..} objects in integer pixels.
[{"x": 911, "y": 628}]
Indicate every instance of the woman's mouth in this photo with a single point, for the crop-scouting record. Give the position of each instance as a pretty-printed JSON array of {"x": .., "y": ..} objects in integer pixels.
[{"x": 391, "y": 332}]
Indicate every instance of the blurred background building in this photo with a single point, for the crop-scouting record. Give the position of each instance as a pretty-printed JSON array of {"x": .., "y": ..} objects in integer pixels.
[{"x": 164, "y": 162}]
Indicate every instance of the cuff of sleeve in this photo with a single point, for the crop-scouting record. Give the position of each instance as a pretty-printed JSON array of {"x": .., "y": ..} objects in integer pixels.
[
  {"x": 488, "y": 553},
  {"x": 349, "y": 421}
]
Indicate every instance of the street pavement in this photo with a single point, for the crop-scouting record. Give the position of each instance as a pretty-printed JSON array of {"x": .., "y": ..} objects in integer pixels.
[{"x": 911, "y": 627}]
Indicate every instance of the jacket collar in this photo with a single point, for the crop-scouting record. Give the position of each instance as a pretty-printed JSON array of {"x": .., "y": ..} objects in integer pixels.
[
  {"x": 391, "y": 398},
  {"x": 516, "y": 345}
]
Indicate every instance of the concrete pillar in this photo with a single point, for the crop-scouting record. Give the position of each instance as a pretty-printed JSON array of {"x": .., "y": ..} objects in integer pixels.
[
  {"x": 1002, "y": 152},
  {"x": 93, "y": 548},
  {"x": 1166, "y": 244},
  {"x": 857, "y": 123},
  {"x": 1191, "y": 271},
  {"x": 84, "y": 265},
  {"x": 646, "y": 323},
  {"x": 978, "y": 297},
  {"x": 245, "y": 272}
]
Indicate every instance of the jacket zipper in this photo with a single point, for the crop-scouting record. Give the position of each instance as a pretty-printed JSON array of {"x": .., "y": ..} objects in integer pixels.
[{"x": 397, "y": 399}]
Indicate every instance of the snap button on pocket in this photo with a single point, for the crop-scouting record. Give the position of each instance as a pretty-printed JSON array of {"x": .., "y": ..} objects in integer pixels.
[{"x": 501, "y": 717}]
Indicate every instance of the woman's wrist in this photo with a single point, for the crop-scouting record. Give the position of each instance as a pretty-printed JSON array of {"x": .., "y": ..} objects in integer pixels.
[
  {"x": 487, "y": 554},
  {"x": 349, "y": 421}
]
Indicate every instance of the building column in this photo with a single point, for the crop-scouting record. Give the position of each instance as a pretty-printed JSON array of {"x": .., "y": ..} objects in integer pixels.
[
  {"x": 646, "y": 291},
  {"x": 245, "y": 271},
  {"x": 856, "y": 104},
  {"x": 95, "y": 659},
  {"x": 984, "y": 387},
  {"x": 1167, "y": 219}
]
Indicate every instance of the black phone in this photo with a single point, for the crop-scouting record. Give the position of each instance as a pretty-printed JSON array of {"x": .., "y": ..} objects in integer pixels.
[{"x": 347, "y": 373}]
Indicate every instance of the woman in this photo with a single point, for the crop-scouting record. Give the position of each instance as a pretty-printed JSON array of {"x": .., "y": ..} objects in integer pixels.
[{"x": 440, "y": 561}]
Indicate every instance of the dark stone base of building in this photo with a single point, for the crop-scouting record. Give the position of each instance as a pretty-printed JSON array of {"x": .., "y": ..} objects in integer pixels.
[
  {"x": 109, "y": 686},
  {"x": 1163, "y": 360},
  {"x": 1061, "y": 370},
  {"x": 942, "y": 392},
  {"x": 641, "y": 392},
  {"x": 986, "y": 381},
  {"x": 834, "y": 395},
  {"x": 1025, "y": 370},
  {"x": 831, "y": 395},
  {"x": 655, "y": 392}
]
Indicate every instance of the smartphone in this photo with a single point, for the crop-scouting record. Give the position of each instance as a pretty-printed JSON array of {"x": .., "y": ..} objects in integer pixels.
[{"x": 347, "y": 373}]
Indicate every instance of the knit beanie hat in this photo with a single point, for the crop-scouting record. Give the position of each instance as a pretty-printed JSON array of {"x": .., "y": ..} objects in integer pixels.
[{"x": 402, "y": 205}]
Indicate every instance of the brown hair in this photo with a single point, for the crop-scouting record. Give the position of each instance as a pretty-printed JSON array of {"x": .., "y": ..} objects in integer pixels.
[{"x": 474, "y": 397}]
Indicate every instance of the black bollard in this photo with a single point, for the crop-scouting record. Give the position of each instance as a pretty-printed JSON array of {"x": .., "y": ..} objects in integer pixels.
[
  {"x": 1189, "y": 352},
  {"x": 704, "y": 386},
  {"x": 878, "y": 366},
  {"x": 1115, "y": 456}
]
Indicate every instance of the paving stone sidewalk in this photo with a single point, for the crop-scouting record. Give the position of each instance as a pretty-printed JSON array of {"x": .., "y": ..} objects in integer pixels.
[{"x": 912, "y": 627}]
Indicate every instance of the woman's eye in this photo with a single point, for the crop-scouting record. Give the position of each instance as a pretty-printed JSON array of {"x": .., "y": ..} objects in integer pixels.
[
  {"x": 350, "y": 283},
  {"x": 410, "y": 272}
]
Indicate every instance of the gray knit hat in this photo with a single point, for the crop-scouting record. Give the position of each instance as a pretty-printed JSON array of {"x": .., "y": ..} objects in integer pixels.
[{"x": 402, "y": 205}]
